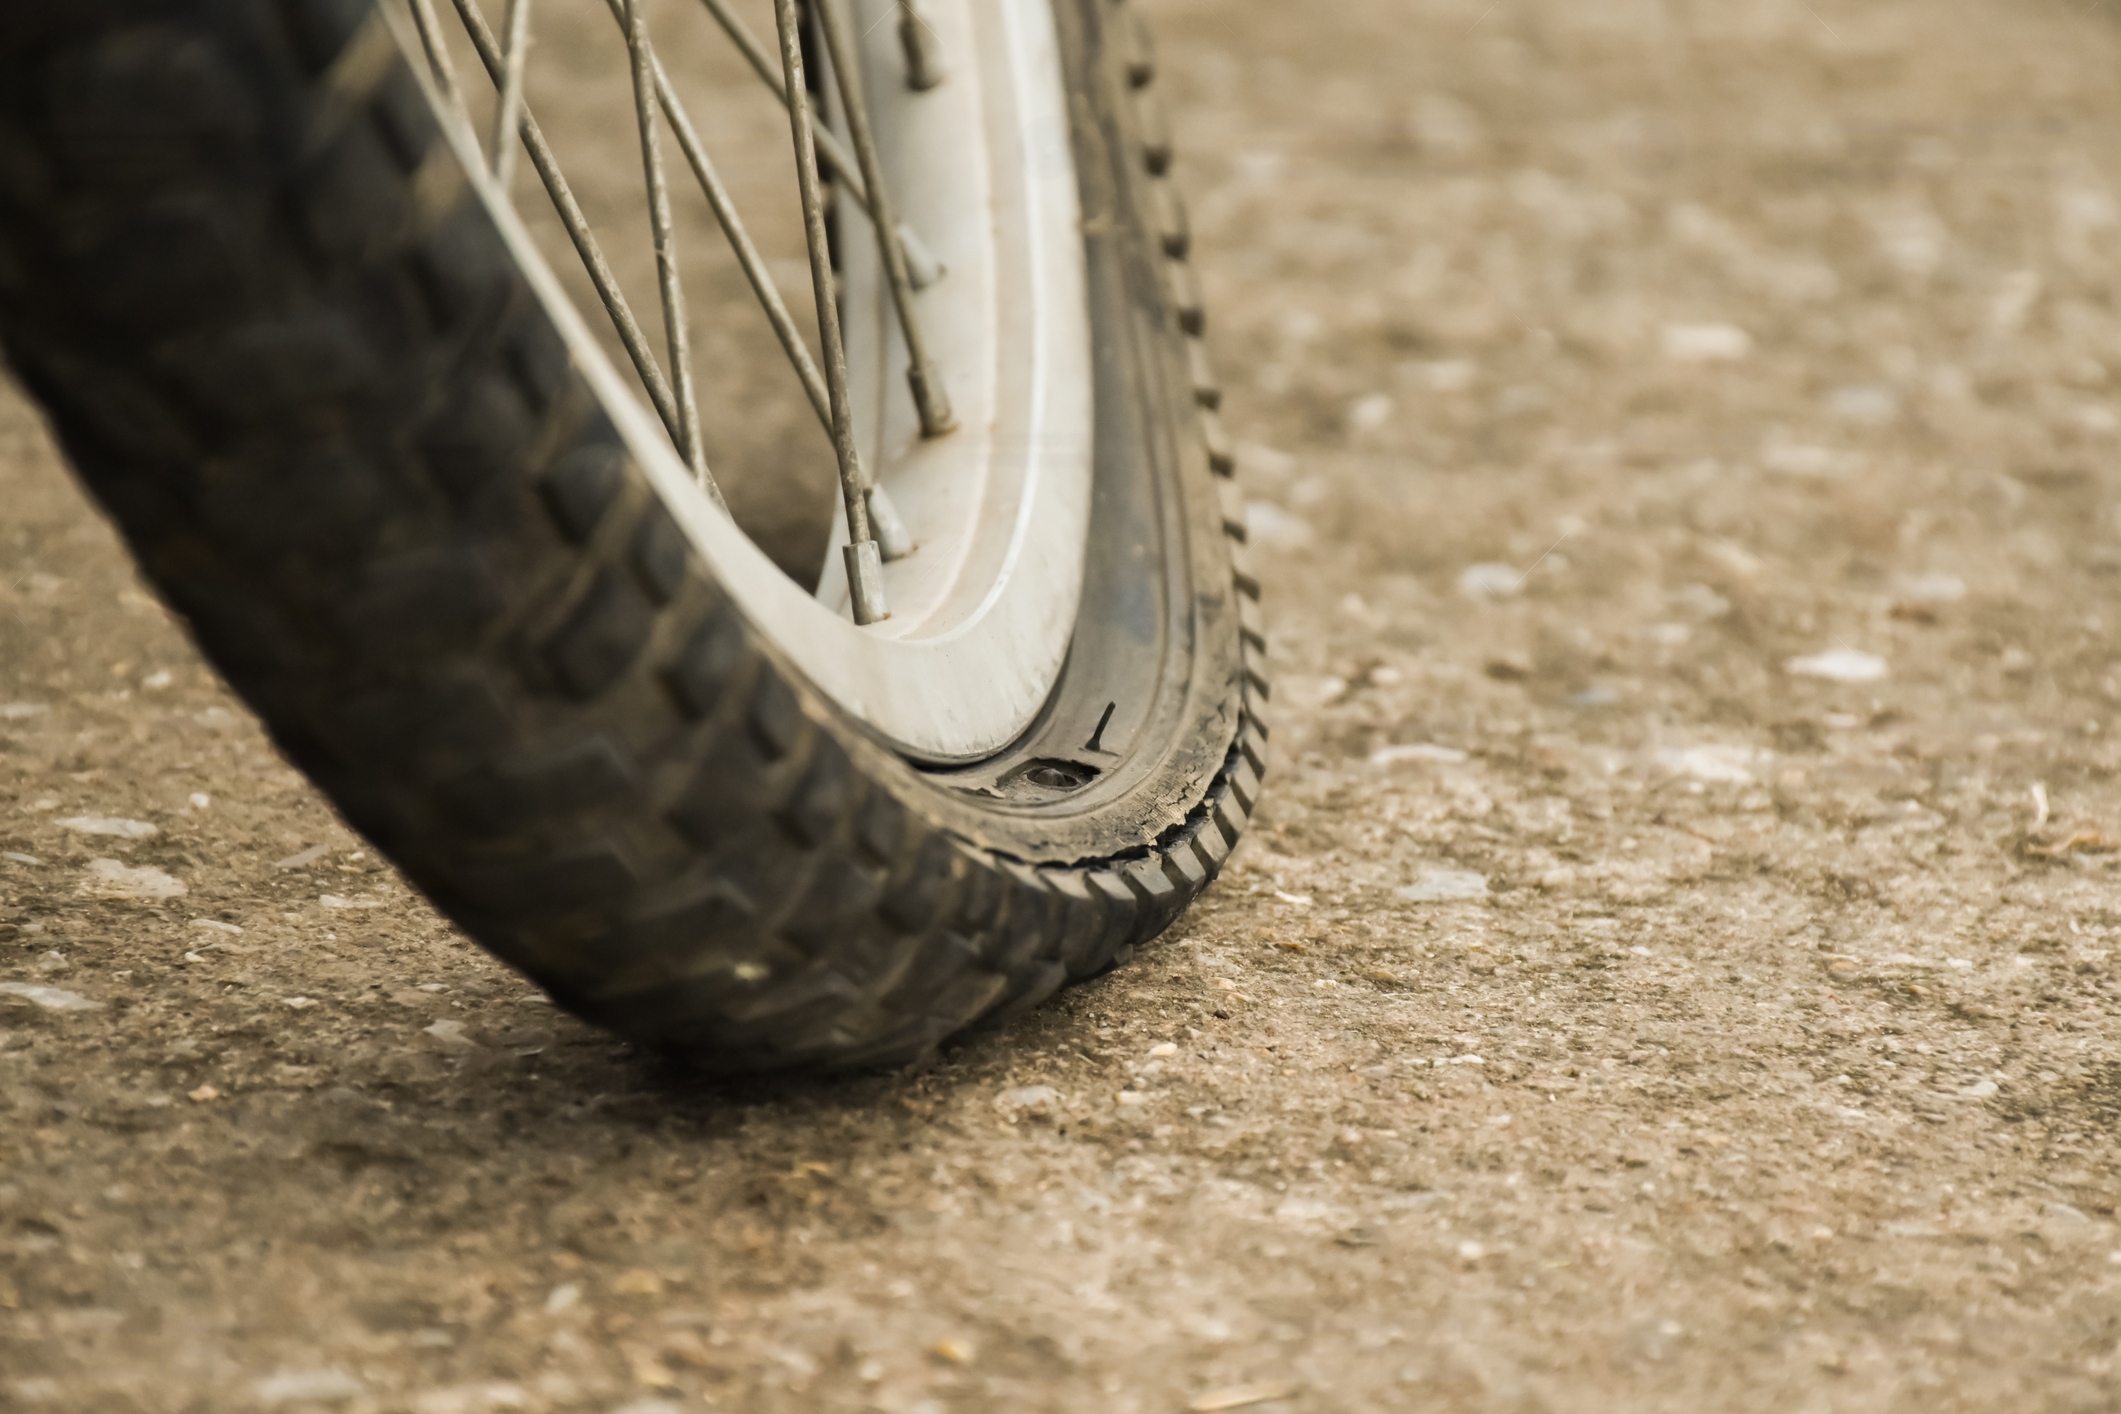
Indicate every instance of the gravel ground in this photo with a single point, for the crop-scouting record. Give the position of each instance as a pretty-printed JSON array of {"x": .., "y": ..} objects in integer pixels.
[{"x": 1673, "y": 969}]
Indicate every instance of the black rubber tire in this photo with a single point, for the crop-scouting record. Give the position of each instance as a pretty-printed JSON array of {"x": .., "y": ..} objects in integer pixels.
[{"x": 281, "y": 341}]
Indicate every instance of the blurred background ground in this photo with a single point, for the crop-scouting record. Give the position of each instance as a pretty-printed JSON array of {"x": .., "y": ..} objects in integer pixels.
[{"x": 1674, "y": 968}]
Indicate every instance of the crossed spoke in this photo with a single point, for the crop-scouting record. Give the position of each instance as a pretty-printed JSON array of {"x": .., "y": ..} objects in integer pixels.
[
  {"x": 585, "y": 244},
  {"x": 875, "y": 533}
]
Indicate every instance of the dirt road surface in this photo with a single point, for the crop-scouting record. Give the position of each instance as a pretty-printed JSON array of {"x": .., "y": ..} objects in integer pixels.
[{"x": 1675, "y": 969}]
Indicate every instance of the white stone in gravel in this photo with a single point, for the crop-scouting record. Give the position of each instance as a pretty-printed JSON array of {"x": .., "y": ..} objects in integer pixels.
[
  {"x": 1451, "y": 375},
  {"x": 114, "y": 825},
  {"x": 50, "y": 998},
  {"x": 1980, "y": 1090},
  {"x": 1489, "y": 580},
  {"x": 1029, "y": 1102},
  {"x": 1270, "y": 462},
  {"x": 20, "y": 858},
  {"x": 108, "y": 878},
  {"x": 1306, "y": 1210},
  {"x": 16, "y": 711},
  {"x": 1839, "y": 665},
  {"x": 334, "y": 901},
  {"x": 1868, "y": 404},
  {"x": 451, "y": 1035},
  {"x": 1270, "y": 527},
  {"x": 1417, "y": 751},
  {"x": 1705, "y": 343},
  {"x": 1720, "y": 765},
  {"x": 1808, "y": 461},
  {"x": 1931, "y": 588},
  {"x": 217, "y": 926},
  {"x": 1444, "y": 886},
  {"x": 1370, "y": 412},
  {"x": 306, "y": 1387}
]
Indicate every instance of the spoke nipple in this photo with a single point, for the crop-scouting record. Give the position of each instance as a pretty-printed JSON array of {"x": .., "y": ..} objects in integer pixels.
[
  {"x": 922, "y": 268},
  {"x": 893, "y": 540},
  {"x": 931, "y": 401},
  {"x": 924, "y": 51},
  {"x": 865, "y": 579}
]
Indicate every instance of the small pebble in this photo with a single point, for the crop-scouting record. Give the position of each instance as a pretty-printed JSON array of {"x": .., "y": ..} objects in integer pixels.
[
  {"x": 1270, "y": 527},
  {"x": 306, "y": 1387},
  {"x": 1839, "y": 665},
  {"x": 1932, "y": 589},
  {"x": 1871, "y": 406},
  {"x": 1490, "y": 580},
  {"x": 1444, "y": 886},
  {"x": 50, "y": 998},
  {"x": 203, "y": 1094},
  {"x": 1370, "y": 412},
  {"x": 1029, "y": 1102},
  {"x": 1215, "y": 1401},
  {"x": 638, "y": 1282},
  {"x": 1427, "y": 751},
  {"x": 1705, "y": 343},
  {"x": 451, "y": 1036},
  {"x": 1717, "y": 765},
  {"x": 109, "y": 825},
  {"x": 1807, "y": 462},
  {"x": 108, "y": 878}
]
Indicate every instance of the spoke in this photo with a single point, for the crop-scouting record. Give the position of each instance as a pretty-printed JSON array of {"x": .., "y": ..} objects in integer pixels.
[
  {"x": 585, "y": 242},
  {"x": 508, "y": 110},
  {"x": 675, "y": 324},
  {"x": 929, "y": 395},
  {"x": 828, "y": 144},
  {"x": 924, "y": 50},
  {"x": 439, "y": 63},
  {"x": 830, "y": 150},
  {"x": 864, "y": 565},
  {"x": 747, "y": 254}
]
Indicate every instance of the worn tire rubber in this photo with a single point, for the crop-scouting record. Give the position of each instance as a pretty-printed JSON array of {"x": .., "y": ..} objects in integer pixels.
[{"x": 281, "y": 341}]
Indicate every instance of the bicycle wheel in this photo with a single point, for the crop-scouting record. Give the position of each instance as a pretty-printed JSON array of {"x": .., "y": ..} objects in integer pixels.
[{"x": 290, "y": 316}]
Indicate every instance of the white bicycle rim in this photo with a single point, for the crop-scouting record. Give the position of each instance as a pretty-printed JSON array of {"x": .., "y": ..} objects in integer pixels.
[{"x": 982, "y": 168}]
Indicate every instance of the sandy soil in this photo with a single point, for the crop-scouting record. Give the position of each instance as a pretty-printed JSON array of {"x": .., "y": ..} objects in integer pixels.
[{"x": 1604, "y": 1012}]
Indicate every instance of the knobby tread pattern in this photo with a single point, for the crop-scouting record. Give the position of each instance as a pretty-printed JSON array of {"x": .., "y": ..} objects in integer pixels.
[{"x": 281, "y": 339}]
